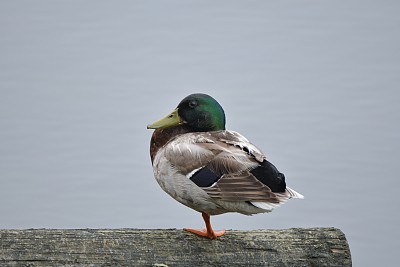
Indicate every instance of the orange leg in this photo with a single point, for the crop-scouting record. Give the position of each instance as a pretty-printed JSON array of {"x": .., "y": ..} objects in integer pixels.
[{"x": 208, "y": 232}]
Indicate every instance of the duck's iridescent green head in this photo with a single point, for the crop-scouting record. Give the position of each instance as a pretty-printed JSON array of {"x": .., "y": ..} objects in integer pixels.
[
  {"x": 201, "y": 113},
  {"x": 198, "y": 112}
]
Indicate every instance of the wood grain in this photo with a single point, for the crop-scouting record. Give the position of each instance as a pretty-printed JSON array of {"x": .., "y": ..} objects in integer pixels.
[{"x": 171, "y": 247}]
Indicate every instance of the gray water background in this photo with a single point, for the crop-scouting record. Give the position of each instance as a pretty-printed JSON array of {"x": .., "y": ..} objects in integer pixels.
[{"x": 314, "y": 84}]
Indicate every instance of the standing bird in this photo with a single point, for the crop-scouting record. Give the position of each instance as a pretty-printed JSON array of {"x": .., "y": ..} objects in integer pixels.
[{"x": 210, "y": 169}]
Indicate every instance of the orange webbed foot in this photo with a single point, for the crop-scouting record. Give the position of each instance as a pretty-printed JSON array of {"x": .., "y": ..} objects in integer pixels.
[
  {"x": 203, "y": 232},
  {"x": 208, "y": 231}
]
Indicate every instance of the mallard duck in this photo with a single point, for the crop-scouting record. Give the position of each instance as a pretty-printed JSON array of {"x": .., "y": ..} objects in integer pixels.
[{"x": 210, "y": 169}]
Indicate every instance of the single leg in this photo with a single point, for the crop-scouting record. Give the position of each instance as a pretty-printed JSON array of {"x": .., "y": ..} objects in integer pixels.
[{"x": 208, "y": 232}]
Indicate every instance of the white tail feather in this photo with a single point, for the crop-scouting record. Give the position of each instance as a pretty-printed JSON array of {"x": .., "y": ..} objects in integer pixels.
[
  {"x": 267, "y": 206},
  {"x": 294, "y": 194}
]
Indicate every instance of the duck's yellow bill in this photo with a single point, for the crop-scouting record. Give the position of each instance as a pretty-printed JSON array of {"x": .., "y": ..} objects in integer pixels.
[{"x": 171, "y": 119}]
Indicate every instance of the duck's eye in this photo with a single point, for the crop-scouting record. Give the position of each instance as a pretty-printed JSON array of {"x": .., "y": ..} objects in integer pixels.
[{"x": 192, "y": 103}]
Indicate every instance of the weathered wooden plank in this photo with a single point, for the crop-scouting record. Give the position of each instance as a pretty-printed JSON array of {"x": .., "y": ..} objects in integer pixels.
[{"x": 171, "y": 247}]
